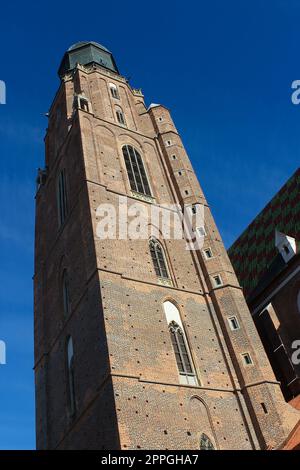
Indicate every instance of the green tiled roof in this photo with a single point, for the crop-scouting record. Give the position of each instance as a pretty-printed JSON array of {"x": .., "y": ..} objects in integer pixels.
[{"x": 253, "y": 252}]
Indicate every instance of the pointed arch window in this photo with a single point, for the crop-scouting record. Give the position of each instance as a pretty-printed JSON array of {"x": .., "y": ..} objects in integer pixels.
[
  {"x": 158, "y": 259},
  {"x": 71, "y": 376},
  {"x": 187, "y": 373},
  {"x": 120, "y": 116},
  {"x": 136, "y": 171},
  {"x": 205, "y": 443},
  {"x": 114, "y": 91},
  {"x": 62, "y": 203},
  {"x": 182, "y": 356},
  {"x": 66, "y": 293}
]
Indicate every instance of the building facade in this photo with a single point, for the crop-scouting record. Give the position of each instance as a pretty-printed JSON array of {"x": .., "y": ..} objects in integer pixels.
[
  {"x": 267, "y": 263},
  {"x": 139, "y": 343}
]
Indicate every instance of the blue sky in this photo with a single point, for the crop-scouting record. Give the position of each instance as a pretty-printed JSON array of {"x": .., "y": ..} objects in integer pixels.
[{"x": 224, "y": 68}]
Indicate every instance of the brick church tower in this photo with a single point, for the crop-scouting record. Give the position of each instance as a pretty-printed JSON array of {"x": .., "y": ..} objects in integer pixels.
[{"x": 139, "y": 343}]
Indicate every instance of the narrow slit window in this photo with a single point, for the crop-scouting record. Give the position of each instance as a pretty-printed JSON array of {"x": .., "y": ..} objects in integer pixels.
[
  {"x": 62, "y": 203},
  {"x": 263, "y": 405},
  {"x": 71, "y": 376},
  {"x": 66, "y": 294}
]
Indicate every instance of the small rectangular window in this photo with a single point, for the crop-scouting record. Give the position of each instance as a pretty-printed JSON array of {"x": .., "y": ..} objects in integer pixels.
[
  {"x": 173, "y": 157},
  {"x": 233, "y": 323},
  {"x": 168, "y": 143},
  {"x": 186, "y": 192},
  {"x": 207, "y": 253},
  {"x": 160, "y": 119},
  {"x": 217, "y": 280},
  {"x": 179, "y": 173},
  {"x": 247, "y": 359},
  {"x": 201, "y": 231}
]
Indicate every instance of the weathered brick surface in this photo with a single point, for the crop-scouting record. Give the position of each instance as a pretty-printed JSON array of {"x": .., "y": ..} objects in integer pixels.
[{"x": 127, "y": 384}]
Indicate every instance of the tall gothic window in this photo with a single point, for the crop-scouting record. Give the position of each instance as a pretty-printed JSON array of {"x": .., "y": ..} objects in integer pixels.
[
  {"x": 205, "y": 443},
  {"x": 187, "y": 374},
  {"x": 62, "y": 203},
  {"x": 120, "y": 116},
  {"x": 71, "y": 378},
  {"x": 65, "y": 293},
  {"x": 136, "y": 171},
  {"x": 114, "y": 91},
  {"x": 183, "y": 360},
  {"x": 158, "y": 259}
]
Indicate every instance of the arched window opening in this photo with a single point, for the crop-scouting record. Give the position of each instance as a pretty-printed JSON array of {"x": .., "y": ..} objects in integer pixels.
[
  {"x": 66, "y": 294},
  {"x": 205, "y": 443},
  {"x": 71, "y": 377},
  {"x": 180, "y": 348},
  {"x": 120, "y": 117},
  {"x": 180, "y": 345},
  {"x": 136, "y": 172},
  {"x": 158, "y": 259},
  {"x": 62, "y": 203},
  {"x": 114, "y": 91}
]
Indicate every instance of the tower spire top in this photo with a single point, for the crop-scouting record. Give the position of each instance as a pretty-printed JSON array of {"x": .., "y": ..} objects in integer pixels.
[{"x": 85, "y": 53}]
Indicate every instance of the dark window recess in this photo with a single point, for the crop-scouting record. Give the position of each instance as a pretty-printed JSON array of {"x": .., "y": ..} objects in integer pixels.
[
  {"x": 136, "y": 172},
  {"x": 83, "y": 104},
  {"x": 71, "y": 377},
  {"x": 205, "y": 443},
  {"x": 264, "y": 408},
  {"x": 114, "y": 92},
  {"x": 158, "y": 259},
  {"x": 247, "y": 359},
  {"x": 66, "y": 295},
  {"x": 234, "y": 323},
  {"x": 62, "y": 202},
  {"x": 218, "y": 281},
  {"x": 120, "y": 117},
  {"x": 180, "y": 349}
]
